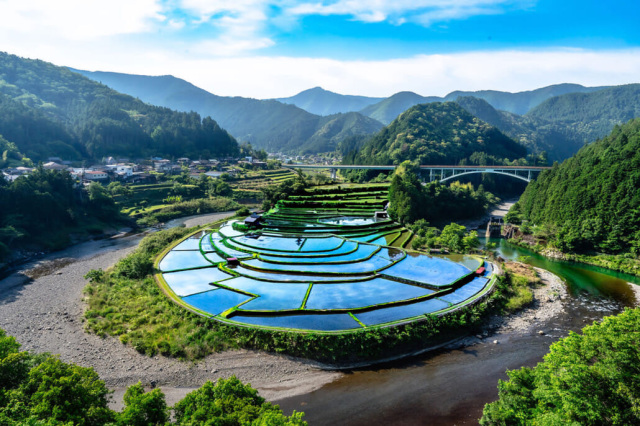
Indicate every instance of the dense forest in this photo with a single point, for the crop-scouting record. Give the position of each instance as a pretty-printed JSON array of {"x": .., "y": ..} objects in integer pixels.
[
  {"x": 590, "y": 201},
  {"x": 47, "y": 110},
  {"x": 438, "y": 133},
  {"x": 67, "y": 209},
  {"x": 587, "y": 379}
]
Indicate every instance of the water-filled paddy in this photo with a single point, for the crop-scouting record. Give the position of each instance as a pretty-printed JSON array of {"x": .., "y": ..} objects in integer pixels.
[
  {"x": 178, "y": 260},
  {"x": 428, "y": 270},
  {"x": 272, "y": 296},
  {"x": 216, "y": 301},
  {"x": 331, "y": 322},
  {"x": 361, "y": 294},
  {"x": 185, "y": 283},
  {"x": 402, "y": 312},
  {"x": 313, "y": 280},
  {"x": 348, "y": 221}
]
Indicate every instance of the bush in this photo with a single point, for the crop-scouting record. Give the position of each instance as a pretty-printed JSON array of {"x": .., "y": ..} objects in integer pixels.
[{"x": 135, "y": 266}]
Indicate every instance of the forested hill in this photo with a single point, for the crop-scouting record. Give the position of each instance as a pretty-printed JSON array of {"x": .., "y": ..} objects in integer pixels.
[
  {"x": 591, "y": 115},
  {"x": 437, "y": 133},
  {"x": 267, "y": 124},
  {"x": 592, "y": 200},
  {"x": 46, "y": 110}
]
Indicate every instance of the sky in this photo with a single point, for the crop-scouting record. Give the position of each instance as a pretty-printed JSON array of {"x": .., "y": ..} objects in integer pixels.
[{"x": 277, "y": 48}]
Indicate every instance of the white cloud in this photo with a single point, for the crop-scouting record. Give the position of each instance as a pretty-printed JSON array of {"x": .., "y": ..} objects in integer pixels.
[
  {"x": 79, "y": 19},
  {"x": 425, "y": 12},
  {"x": 267, "y": 77},
  {"x": 241, "y": 24}
]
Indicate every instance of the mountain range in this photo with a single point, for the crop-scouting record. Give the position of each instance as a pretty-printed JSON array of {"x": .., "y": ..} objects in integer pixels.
[
  {"x": 322, "y": 102},
  {"x": 48, "y": 110},
  {"x": 299, "y": 124},
  {"x": 266, "y": 124}
]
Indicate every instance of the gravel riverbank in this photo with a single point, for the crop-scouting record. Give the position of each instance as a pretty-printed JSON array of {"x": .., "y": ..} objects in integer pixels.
[{"x": 41, "y": 305}]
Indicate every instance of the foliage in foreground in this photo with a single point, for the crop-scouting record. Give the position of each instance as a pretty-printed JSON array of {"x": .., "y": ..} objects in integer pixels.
[
  {"x": 122, "y": 304},
  {"x": 588, "y": 379},
  {"x": 42, "y": 390}
]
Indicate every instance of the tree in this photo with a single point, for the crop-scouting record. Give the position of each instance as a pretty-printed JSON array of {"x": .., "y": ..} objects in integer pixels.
[
  {"x": 228, "y": 402},
  {"x": 64, "y": 392},
  {"x": 452, "y": 236},
  {"x": 143, "y": 408}
]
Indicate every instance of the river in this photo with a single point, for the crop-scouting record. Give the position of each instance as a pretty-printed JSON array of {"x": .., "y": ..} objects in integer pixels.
[{"x": 451, "y": 386}]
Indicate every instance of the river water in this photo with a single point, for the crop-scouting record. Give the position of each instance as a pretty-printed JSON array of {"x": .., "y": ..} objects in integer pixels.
[{"x": 451, "y": 386}]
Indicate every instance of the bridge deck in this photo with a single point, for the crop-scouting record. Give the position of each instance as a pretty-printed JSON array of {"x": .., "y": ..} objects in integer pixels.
[{"x": 392, "y": 167}]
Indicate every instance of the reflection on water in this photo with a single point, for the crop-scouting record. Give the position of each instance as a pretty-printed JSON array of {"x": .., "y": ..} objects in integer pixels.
[
  {"x": 451, "y": 386},
  {"x": 599, "y": 282}
]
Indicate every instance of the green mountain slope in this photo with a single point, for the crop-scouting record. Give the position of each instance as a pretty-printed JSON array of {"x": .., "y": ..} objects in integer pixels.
[
  {"x": 323, "y": 102},
  {"x": 49, "y": 110},
  {"x": 522, "y": 102},
  {"x": 592, "y": 200},
  {"x": 536, "y": 134},
  {"x": 267, "y": 124},
  {"x": 437, "y": 133},
  {"x": 590, "y": 116}
]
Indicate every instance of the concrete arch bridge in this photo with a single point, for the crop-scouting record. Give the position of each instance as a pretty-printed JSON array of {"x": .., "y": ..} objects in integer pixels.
[{"x": 438, "y": 172}]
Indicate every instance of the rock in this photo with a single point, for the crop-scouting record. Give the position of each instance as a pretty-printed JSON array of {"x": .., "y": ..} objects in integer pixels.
[
  {"x": 540, "y": 332},
  {"x": 495, "y": 342},
  {"x": 214, "y": 371}
]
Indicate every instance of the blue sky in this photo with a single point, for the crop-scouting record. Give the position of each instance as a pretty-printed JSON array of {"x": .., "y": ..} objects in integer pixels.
[{"x": 272, "y": 48}]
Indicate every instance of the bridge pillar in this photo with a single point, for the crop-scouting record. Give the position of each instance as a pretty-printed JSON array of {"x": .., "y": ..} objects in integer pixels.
[{"x": 334, "y": 173}]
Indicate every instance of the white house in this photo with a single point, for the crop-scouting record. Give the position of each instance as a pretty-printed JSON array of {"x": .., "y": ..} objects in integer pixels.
[
  {"x": 95, "y": 175},
  {"x": 124, "y": 170}
]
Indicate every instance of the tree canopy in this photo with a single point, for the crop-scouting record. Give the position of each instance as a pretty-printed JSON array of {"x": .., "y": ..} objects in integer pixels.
[{"x": 436, "y": 133}]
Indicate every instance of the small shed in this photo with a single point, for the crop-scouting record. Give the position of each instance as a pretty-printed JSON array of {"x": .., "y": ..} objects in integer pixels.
[
  {"x": 254, "y": 220},
  {"x": 380, "y": 215}
]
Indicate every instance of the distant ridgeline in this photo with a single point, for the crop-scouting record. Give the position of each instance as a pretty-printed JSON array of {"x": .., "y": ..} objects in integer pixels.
[
  {"x": 592, "y": 198},
  {"x": 47, "y": 110},
  {"x": 437, "y": 133},
  {"x": 561, "y": 125},
  {"x": 266, "y": 124}
]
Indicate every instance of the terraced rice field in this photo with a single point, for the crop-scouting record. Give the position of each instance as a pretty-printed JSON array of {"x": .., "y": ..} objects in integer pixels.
[{"x": 328, "y": 270}]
